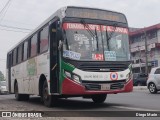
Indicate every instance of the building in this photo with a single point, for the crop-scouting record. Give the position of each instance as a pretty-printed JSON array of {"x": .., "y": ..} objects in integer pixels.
[{"x": 138, "y": 47}]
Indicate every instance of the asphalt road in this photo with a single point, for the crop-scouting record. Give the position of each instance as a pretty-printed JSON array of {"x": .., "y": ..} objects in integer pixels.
[{"x": 138, "y": 100}]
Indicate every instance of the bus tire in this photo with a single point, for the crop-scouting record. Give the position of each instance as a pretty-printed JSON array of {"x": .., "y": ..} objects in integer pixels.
[
  {"x": 25, "y": 97},
  {"x": 20, "y": 97},
  {"x": 99, "y": 98},
  {"x": 48, "y": 100}
]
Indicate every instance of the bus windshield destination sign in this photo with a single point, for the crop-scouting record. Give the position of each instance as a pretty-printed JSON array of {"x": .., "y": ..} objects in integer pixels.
[{"x": 95, "y": 14}]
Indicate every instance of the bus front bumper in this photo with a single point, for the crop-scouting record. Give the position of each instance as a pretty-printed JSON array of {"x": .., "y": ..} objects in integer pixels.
[{"x": 70, "y": 87}]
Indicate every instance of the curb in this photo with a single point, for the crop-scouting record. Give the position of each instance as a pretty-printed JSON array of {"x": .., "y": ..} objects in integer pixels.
[{"x": 140, "y": 88}]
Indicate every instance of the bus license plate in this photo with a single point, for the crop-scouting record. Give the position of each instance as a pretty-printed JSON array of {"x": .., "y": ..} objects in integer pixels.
[{"x": 105, "y": 87}]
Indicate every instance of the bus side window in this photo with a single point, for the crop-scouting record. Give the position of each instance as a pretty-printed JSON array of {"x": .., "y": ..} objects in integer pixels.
[
  {"x": 12, "y": 59},
  {"x": 7, "y": 65},
  {"x": 25, "y": 50},
  {"x": 15, "y": 56},
  {"x": 34, "y": 41},
  {"x": 44, "y": 40},
  {"x": 20, "y": 53}
]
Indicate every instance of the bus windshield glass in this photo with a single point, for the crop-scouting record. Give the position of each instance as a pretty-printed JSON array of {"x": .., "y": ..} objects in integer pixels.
[{"x": 92, "y": 42}]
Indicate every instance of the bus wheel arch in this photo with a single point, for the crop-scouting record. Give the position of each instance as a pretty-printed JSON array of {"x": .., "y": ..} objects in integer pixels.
[
  {"x": 19, "y": 97},
  {"x": 42, "y": 79},
  {"x": 15, "y": 83},
  {"x": 43, "y": 92},
  {"x": 48, "y": 100}
]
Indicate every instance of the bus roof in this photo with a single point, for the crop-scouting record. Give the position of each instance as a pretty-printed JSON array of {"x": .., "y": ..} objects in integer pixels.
[{"x": 80, "y": 12}]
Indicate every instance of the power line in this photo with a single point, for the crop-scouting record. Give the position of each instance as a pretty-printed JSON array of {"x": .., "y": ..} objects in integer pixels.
[
  {"x": 11, "y": 21},
  {"x": 15, "y": 27},
  {"x": 14, "y": 31},
  {"x": 7, "y": 7},
  {"x": 4, "y": 7},
  {"x": 1, "y": 14},
  {"x": 12, "y": 27},
  {"x": 2, "y": 60}
]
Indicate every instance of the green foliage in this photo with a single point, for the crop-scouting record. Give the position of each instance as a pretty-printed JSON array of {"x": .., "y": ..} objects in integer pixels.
[{"x": 1, "y": 76}]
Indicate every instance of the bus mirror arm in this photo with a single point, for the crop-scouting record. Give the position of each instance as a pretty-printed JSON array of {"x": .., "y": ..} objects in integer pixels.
[
  {"x": 60, "y": 45},
  {"x": 59, "y": 33}
]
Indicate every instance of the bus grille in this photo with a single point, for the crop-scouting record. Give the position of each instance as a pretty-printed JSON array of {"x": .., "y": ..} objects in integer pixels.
[
  {"x": 97, "y": 86},
  {"x": 103, "y": 67},
  {"x": 93, "y": 87},
  {"x": 117, "y": 86}
]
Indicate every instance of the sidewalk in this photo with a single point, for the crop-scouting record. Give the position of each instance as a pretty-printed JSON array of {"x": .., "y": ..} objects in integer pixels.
[{"x": 140, "y": 88}]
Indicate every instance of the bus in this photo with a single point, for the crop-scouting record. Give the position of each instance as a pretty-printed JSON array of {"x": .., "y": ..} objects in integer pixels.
[{"x": 76, "y": 52}]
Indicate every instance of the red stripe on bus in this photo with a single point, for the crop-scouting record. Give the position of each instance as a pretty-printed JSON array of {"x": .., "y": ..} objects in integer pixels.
[{"x": 70, "y": 87}]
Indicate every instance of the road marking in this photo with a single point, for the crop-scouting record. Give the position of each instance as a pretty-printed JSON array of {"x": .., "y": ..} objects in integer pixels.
[{"x": 132, "y": 108}]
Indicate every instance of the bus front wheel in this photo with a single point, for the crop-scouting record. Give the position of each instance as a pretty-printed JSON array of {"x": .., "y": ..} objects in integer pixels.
[
  {"x": 99, "y": 98},
  {"x": 49, "y": 100},
  {"x": 20, "y": 97}
]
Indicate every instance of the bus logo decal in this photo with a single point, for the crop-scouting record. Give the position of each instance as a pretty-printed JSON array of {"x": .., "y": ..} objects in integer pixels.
[
  {"x": 31, "y": 67},
  {"x": 114, "y": 76}
]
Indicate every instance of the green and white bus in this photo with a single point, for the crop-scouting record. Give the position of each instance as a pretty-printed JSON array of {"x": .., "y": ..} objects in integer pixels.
[{"x": 76, "y": 52}]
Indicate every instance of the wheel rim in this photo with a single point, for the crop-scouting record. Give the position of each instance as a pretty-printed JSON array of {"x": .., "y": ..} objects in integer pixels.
[
  {"x": 45, "y": 94},
  {"x": 152, "y": 87}
]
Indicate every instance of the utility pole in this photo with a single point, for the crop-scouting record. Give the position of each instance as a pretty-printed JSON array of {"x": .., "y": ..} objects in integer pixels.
[
  {"x": 140, "y": 69},
  {"x": 146, "y": 51}
]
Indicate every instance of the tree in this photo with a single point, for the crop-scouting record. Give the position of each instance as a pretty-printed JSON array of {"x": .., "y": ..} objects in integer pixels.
[{"x": 1, "y": 76}]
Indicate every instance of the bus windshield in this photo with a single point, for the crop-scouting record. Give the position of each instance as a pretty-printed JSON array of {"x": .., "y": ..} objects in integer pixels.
[{"x": 92, "y": 42}]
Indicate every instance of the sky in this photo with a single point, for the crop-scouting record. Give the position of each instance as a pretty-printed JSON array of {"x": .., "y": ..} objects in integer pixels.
[{"x": 28, "y": 14}]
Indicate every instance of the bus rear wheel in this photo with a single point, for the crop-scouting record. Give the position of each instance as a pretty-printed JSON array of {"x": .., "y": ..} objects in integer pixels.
[
  {"x": 20, "y": 97},
  {"x": 48, "y": 100},
  {"x": 99, "y": 98}
]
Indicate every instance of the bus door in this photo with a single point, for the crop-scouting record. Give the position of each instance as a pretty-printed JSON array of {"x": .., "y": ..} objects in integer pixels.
[
  {"x": 54, "y": 57},
  {"x": 9, "y": 64}
]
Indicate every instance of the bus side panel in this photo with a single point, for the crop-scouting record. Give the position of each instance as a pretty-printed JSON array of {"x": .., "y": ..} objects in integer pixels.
[
  {"x": 7, "y": 81},
  {"x": 25, "y": 78},
  {"x": 42, "y": 68},
  {"x": 8, "y": 71},
  {"x": 27, "y": 74},
  {"x": 12, "y": 82},
  {"x": 17, "y": 75}
]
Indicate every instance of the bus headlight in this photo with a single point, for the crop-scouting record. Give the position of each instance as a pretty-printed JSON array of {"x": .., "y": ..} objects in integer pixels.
[
  {"x": 68, "y": 74},
  {"x": 76, "y": 78},
  {"x": 72, "y": 76},
  {"x": 128, "y": 77}
]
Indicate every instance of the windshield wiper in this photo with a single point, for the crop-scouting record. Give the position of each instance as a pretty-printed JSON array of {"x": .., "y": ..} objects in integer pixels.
[
  {"x": 94, "y": 35},
  {"x": 87, "y": 26},
  {"x": 108, "y": 37}
]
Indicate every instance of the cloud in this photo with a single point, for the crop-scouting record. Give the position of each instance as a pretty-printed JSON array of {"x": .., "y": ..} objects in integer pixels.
[{"x": 36, "y": 11}]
